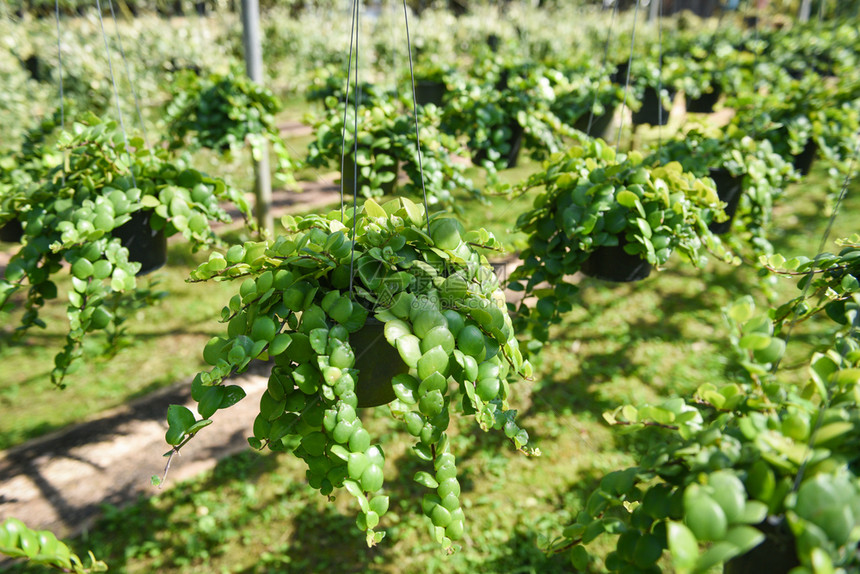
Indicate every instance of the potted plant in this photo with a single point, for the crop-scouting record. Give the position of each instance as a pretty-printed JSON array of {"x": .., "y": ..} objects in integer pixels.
[
  {"x": 431, "y": 82},
  {"x": 586, "y": 100},
  {"x": 650, "y": 97},
  {"x": 328, "y": 85},
  {"x": 225, "y": 113},
  {"x": 700, "y": 78},
  {"x": 609, "y": 215},
  {"x": 755, "y": 472},
  {"x": 20, "y": 171},
  {"x": 387, "y": 145},
  {"x": 306, "y": 302},
  {"x": 73, "y": 218},
  {"x": 747, "y": 174},
  {"x": 502, "y": 107},
  {"x": 802, "y": 118}
]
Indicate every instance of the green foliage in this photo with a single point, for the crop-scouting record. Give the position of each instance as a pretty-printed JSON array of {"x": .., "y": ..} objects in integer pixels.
[
  {"x": 593, "y": 198},
  {"x": 70, "y": 215},
  {"x": 387, "y": 144},
  {"x": 796, "y": 113},
  {"x": 829, "y": 284},
  {"x": 764, "y": 176},
  {"x": 225, "y": 113},
  {"x": 582, "y": 89},
  {"x": 443, "y": 316},
  {"x": 42, "y": 548},
  {"x": 696, "y": 62},
  {"x": 498, "y": 103},
  {"x": 721, "y": 468}
]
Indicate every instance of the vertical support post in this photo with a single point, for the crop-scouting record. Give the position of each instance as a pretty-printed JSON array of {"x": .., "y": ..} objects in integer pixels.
[
  {"x": 805, "y": 10},
  {"x": 254, "y": 67},
  {"x": 653, "y": 10}
]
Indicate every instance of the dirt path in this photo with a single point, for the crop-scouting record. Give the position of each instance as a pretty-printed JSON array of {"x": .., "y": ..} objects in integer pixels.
[{"x": 60, "y": 481}]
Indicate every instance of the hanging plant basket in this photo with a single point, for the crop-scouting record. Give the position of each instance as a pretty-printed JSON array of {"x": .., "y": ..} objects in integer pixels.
[
  {"x": 613, "y": 263},
  {"x": 599, "y": 124},
  {"x": 777, "y": 554},
  {"x": 705, "y": 103},
  {"x": 730, "y": 189},
  {"x": 650, "y": 113},
  {"x": 430, "y": 92},
  {"x": 804, "y": 160},
  {"x": 387, "y": 175},
  {"x": 12, "y": 231},
  {"x": 332, "y": 312},
  {"x": 619, "y": 76},
  {"x": 515, "y": 143},
  {"x": 145, "y": 245},
  {"x": 378, "y": 362}
]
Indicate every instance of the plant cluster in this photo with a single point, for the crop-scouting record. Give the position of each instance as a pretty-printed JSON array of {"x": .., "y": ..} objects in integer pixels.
[
  {"x": 583, "y": 90},
  {"x": 328, "y": 86},
  {"x": 41, "y": 547},
  {"x": 440, "y": 319},
  {"x": 803, "y": 117},
  {"x": 763, "y": 174},
  {"x": 591, "y": 198},
  {"x": 645, "y": 76},
  {"x": 501, "y": 106},
  {"x": 70, "y": 216},
  {"x": 225, "y": 113},
  {"x": 753, "y": 460},
  {"x": 698, "y": 67},
  {"x": 386, "y": 145}
]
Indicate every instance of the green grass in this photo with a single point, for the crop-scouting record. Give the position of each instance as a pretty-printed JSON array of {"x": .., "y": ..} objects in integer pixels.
[{"x": 162, "y": 345}]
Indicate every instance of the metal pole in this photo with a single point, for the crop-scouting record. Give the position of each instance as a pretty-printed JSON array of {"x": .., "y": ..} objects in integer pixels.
[
  {"x": 653, "y": 11},
  {"x": 805, "y": 9},
  {"x": 254, "y": 67}
]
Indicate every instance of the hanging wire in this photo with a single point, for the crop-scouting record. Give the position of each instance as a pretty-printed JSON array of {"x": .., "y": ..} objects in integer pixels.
[
  {"x": 660, "y": 80},
  {"x": 355, "y": 147},
  {"x": 629, "y": 66},
  {"x": 849, "y": 175},
  {"x": 60, "y": 71},
  {"x": 115, "y": 90},
  {"x": 346, "y": 106},
  {"x": 415, "y": 115},
  {"x": 754, "y": 133},
  {"x": 603, "y": 65},
  {"x": 128, "y": 74}
]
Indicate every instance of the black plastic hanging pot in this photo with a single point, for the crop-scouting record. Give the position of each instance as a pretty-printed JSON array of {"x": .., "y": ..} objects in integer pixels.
[
  {"x": 777, "y": 554},
  {"x": 599, "y": 124},
  {"x": 145, "y": 245},
  {"x": 730, "y": 189},
  {"x": 619, "y": 76},
  {"x": 652, "y": 104},
  {"x": 348, "y": 177},
  {"x": 430, "y": 92},
  {"x": 612, "y": 263},
  {"x": 515, "y": 142},
  {"x": 705, "y": 103},
  {"x": 803, "y": 161},
  {"x": 12, "y": 231},
  {"x": 377, "y": 362}
]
